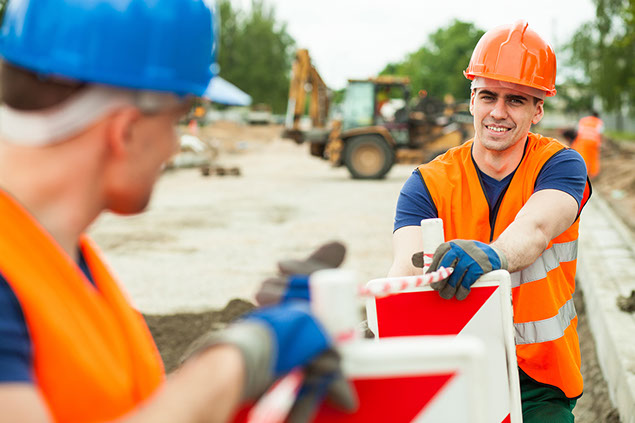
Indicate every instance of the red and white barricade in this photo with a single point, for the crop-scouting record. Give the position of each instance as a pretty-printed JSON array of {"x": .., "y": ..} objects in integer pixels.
[
  {"x": 486, "y": 314},
  {"x": 399, "y": 379},
  {"x": 433, "y": 360}
]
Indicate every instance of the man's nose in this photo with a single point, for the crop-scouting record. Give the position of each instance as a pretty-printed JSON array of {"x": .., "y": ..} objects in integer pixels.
[{"x": 499, "y": 111}]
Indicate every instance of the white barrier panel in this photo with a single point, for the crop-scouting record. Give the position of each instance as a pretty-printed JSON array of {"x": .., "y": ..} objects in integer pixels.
[
  {"x": 485, "y": 314},
  {"x": 398, "y": 380}
]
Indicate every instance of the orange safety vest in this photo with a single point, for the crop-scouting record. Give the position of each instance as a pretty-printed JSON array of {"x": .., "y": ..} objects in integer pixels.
[
  {"x": 590, "y": 127},
  {"x": 545, "y": 319},
  {"x": 93, "y": 356},
  {"x": 587, "y": 143}
]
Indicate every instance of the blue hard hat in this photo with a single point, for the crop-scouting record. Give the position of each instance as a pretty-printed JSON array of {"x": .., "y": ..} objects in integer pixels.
[{"x": 159, "y": 45}]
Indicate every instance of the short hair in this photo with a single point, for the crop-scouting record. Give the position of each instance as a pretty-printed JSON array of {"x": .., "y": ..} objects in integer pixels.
[{"x": 24, "y": 90}]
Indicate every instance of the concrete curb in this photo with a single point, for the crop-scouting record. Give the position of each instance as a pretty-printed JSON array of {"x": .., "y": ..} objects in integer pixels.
[{"x": 606, "y": 269}]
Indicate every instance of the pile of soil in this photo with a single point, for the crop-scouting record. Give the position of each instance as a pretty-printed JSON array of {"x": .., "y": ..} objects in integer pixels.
[
  {"x": 173, "y": 333},
  {"x": 232, "y": 137}
]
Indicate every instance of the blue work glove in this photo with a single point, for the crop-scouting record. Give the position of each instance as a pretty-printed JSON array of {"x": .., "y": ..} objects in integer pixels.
[
  {"x": 470, "y": 260},
  {"x": 292, "y": 283},
  {"x": 275, "y": 340}
]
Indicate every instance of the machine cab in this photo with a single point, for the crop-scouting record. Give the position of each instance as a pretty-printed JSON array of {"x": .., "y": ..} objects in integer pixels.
[{"x": 380, "y": 101}]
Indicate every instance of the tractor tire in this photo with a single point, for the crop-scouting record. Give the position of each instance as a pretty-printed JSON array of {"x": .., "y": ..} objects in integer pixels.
[{"x": 368, "y": 157}]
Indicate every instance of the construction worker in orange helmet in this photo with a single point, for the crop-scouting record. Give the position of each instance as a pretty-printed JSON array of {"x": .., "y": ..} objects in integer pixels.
[
  {"x": 588, "y": 140},
  {"x": 509, "y": 199},
  {"x": 91, "y": 91}
]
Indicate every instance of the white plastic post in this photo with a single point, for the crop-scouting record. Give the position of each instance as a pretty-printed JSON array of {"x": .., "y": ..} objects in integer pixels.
[
  {"x": 432, "y": 233},
  {"x": 335, "y": 302}
]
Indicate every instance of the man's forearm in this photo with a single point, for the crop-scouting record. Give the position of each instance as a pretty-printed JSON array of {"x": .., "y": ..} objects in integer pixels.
[
  {"x": 546, "y": 215},
  {"x": 207, "y": 388},
  {"x": 522, "y": 244}
]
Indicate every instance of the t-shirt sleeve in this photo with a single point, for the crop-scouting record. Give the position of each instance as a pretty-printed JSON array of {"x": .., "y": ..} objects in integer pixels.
[
  {"x": 414, "y": 203},
  {"x": 565, "y": 172},
  {"x": 15, "y": 342}
]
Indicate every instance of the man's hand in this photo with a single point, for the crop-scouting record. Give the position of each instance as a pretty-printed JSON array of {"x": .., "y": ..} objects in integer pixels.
[
  {"x": 293, "y": 280},
  {"x": 470, "y": 260},
  {"x": 275, "y": 340}
]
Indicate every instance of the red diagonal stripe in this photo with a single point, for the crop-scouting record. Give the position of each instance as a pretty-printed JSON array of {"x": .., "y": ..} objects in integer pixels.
[
  {"x": 393, "y": 399},
  {"x": 397, "y": 399},
  {"x": 426, "y": 313}
]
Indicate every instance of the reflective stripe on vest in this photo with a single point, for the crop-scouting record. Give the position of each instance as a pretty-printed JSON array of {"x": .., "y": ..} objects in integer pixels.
[
  {"x": 548, "y": 260},
  {"x": 547, "y": 329}
]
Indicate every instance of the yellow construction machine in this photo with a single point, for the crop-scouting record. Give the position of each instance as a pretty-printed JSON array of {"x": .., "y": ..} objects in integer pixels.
[{"x": 379, "y": 125}]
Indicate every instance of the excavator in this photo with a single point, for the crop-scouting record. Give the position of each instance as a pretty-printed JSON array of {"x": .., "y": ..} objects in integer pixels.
[{"x": 378, "y": 127}]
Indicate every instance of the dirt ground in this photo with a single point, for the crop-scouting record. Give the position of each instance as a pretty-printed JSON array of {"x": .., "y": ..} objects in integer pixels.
[
  {"x": 616, "y": 180},
  {"x": 193, "y": 262}
]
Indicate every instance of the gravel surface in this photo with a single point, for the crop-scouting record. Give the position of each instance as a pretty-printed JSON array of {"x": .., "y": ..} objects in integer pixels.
[{"x": 207, "y": 240}]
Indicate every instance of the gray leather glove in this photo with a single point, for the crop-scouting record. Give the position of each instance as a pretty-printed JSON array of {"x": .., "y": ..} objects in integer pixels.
[
  {"x": 275, "y": 340},
  {"x": 470, "y": 260},
  {"x": 323, "y": 378},
  {"x": 293, "y": 281}
]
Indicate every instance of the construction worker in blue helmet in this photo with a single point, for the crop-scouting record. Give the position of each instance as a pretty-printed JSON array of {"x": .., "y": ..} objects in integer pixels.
[{"x": 91, "y": 92}]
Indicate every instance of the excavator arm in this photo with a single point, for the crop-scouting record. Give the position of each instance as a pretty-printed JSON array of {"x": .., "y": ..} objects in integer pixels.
[{"x": 304, "y": 78}]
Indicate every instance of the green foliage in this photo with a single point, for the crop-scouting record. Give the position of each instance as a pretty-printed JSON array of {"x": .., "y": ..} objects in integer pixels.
[
  {"x": 256, "y": 53},
  {"x": 337, "y": 96},
  {"x": 604, "y": 50},
  {"x": 3, "y": 6},
  {"x": 573, "y": 96},
  {"x": 438, "y": 66},
  {"x": 621, "y": 136}
]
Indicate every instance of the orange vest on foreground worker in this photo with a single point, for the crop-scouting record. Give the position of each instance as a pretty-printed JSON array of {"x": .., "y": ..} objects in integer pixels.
[
  {"x": 587, "y": 143},
  {"x": 93, "y": 356},
  {"x": 545, "y": 319}
]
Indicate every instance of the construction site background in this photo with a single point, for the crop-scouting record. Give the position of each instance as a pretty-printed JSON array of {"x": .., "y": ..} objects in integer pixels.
[{"x": 194, "y": 260}]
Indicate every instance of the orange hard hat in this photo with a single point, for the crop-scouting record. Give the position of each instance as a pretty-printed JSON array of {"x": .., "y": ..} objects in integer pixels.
[{"x": 515, "y": 53}]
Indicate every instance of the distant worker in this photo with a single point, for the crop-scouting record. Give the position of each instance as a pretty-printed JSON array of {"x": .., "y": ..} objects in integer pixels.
[
  {"x": 509, "y": 199},
  {"x": 91, "y": 91},
  {"x": 588, "y": 141}
]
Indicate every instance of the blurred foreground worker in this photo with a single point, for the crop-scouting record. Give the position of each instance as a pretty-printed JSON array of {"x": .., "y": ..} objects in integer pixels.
[
  {"x": 509, "y": 199},
  {"x": 91, "y": 92},
  {"x": 588, "y": 142}
]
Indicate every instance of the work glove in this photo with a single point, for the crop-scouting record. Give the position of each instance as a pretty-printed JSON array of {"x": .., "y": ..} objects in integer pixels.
[
  {"x": 470, "y": 260},
  {"x": 275, "y": 340},
  {"x": 292, "y": 283}
]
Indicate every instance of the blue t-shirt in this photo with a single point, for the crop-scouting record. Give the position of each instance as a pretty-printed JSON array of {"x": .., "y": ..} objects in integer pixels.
[
  {"x": 565, "y": 171},
  {"x": 16, "y": 357}
]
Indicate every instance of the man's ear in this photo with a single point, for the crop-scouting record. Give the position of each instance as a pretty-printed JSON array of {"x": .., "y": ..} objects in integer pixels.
[
  {"x": 539, "y": 113},
  {"x": 472, "y": 102},
  {"x": 119, "y": 129}
]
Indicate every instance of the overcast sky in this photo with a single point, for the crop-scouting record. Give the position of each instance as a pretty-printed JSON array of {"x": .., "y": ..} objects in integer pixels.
[{"x": 357, "y": 38}]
